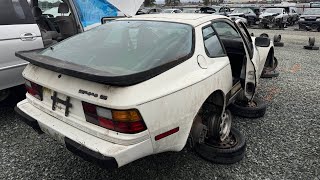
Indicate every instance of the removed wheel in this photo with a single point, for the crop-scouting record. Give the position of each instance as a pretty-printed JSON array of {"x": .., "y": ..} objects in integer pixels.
[
  {"x": 229, "y": 151},
  {"x": 312, "y": 41},
  {"x": 270, "y": 74},
  {"x": 277, "y": 38},
  {"x": 264, "y": 35},
  {"x": 311, "y": 47},
  {"x": 278, "y": 44},
  {"x": 254, "y": 109}
]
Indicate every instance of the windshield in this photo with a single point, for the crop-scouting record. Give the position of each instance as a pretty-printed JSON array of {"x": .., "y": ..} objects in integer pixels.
[
  {"x": 312, "y": 11},
  {"x": 274, "y": 10},
  {"x": 126, "y": 47}
]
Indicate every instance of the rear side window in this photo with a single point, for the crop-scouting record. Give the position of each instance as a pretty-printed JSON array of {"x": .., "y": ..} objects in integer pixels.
[
  {"x": 211, "y": 42},
  {"x": 15, "y": 12},
  {"x": 225, "y": 30}
]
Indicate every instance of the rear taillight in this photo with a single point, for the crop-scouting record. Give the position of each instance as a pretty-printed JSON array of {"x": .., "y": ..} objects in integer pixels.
[
  {"x": 123, "y": 121},
  {"x": 34, "y": 89}
]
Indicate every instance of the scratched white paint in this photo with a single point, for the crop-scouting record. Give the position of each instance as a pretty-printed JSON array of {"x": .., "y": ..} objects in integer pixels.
[{"x": 169, "y": 100}]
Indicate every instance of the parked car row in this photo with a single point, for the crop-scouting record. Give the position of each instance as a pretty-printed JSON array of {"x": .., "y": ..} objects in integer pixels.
[
  {"x": 269, "y": 16},
  {"x": 310, "y": 19}
]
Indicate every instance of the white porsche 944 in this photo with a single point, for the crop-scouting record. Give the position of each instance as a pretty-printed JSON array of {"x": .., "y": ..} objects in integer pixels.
[{"x": 140, "y": 86}]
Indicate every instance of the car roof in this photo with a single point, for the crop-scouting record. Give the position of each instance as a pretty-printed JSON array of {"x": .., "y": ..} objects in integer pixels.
[{"x": 192, "y": 19}]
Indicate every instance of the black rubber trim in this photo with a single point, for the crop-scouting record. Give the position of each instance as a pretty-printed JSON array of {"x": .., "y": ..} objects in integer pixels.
[
  {"x": 91, "y": 156},
  {"x": 29, "y": 120}
]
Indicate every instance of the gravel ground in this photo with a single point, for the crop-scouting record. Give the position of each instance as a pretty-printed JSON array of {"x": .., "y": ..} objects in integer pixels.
[{"x": 284, "y": 144}]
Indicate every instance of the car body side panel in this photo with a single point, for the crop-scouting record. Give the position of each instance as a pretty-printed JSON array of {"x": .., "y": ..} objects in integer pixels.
[
  {"x": 179, "y": 110},
  {"x": 10, "y": 41}
]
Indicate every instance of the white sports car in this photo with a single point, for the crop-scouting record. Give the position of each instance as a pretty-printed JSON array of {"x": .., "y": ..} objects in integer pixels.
[{"x": 139, "y": 86}]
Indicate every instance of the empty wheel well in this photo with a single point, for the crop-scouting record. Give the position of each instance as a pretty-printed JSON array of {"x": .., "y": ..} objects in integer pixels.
[{"x": 215, "y": 103}]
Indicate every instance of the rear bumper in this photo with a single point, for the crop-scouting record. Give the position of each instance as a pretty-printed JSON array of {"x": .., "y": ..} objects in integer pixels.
[{"x": 90, "y": 148}]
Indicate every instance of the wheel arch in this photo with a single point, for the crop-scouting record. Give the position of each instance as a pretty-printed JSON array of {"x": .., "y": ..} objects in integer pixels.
[{"x": 217, "y": 101}]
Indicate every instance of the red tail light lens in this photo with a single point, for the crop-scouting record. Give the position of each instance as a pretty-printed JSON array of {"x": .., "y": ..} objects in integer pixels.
[
  {"x": 34, "y": 89},
  {"x": 124, "y": 121}
]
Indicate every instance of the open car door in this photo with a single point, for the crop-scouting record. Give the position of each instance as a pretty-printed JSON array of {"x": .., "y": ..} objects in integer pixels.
[{"x": 251, "y": 65}]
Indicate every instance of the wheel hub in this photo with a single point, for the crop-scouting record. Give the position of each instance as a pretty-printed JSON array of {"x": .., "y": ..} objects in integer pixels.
[{"x": 225, "y": 125}]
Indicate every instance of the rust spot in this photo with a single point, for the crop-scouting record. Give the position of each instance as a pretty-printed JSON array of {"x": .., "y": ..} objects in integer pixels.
[
  {"x": 295, "y": 68},
  {"x": 271, "y": 93}
]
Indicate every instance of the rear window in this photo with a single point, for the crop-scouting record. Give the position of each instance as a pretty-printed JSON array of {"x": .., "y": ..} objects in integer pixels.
[
  {"x": 15, "y": 12},
  {"x": 126, "y": 47}
]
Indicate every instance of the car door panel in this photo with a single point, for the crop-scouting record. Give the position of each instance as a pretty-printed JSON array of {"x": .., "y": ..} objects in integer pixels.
[
  {"x": 252, "y": 62},
  {"x": 18, "y": 33}
]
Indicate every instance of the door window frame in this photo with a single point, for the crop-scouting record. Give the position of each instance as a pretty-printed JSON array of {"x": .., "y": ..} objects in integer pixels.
[{"x": 221, "y": 44}]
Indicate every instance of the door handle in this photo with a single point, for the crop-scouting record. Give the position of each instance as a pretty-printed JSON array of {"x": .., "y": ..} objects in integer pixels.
[{"x": 28, "y": 36}]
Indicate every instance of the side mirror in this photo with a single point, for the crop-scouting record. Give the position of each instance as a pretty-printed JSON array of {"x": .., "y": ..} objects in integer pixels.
[{"x": 262, "y": 41}]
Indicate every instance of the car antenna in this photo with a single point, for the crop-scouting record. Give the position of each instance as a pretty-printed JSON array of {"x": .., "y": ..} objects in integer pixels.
[{"x": 51, "y": 48}]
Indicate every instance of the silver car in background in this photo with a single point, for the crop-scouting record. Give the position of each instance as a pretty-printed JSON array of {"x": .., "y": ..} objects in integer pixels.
[{"x": 18, "y": 31}]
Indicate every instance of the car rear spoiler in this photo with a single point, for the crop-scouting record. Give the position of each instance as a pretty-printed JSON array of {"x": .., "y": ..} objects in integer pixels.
[{"x": 90, "y": 74}]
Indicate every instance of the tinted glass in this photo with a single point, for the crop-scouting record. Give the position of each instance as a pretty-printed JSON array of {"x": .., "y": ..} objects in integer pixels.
[
  {"x": 50, "y": 8},
  {"x": 211, "y": 42},
  {"x": 15, "y": 12},
  {"x": 126, "y": 47},
  {"x": 225, "y": 29}
]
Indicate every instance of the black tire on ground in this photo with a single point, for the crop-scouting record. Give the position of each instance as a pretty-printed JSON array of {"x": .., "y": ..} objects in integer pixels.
[
  {"x": 239, "y": 108},
  {"x": 16, "y": 94},
  {"x": 264, "y": 35},
  {"x": 312, "y": 40},
  {"x": 217, "y": 153},
  {"x": 311, "y": 47},
  {"x": 277, "y": 38},
  {"x": 278, "y": 44},
  {"x": 270, "y": 74}
]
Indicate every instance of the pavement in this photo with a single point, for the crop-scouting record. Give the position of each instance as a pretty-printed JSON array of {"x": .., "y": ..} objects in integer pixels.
[{"x": 284, "y": 144}]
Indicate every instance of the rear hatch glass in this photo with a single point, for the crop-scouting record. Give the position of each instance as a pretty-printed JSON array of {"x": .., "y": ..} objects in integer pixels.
[
  {"x": 126, "y": 47},
  {"x": 139, "y": 50}
]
